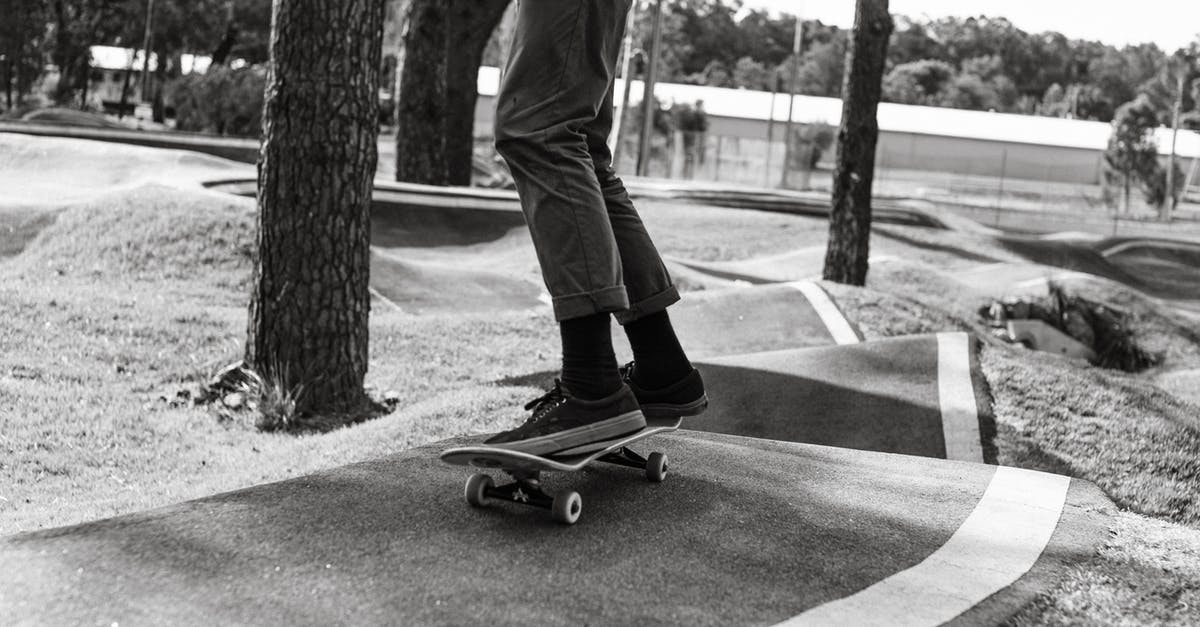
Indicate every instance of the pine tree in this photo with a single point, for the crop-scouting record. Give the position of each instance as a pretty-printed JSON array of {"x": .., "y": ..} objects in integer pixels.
[
  {"x": 850, "y": 216},
  {"x": 308, "y": 312}
]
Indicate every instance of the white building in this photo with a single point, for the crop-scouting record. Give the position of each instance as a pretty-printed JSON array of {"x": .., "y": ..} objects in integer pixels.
[
  {"x": 110, "y": 65},
  {"x": 935, "y": 139}
]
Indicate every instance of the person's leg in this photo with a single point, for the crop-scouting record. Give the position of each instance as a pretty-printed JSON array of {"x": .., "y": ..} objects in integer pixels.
[
  {"x": 659, "y": 360},
  {"x": 559, "y": 70},
  {"x": 558, "y": 73}
]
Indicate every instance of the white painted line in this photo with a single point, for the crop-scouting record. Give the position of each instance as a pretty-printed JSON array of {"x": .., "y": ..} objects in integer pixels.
[
  {"x": 1149, "y": 243},
  {"x": 956, "y": 397},
  {"x": 387, "y": 301},
  {"x": 1057, "y": 276},
  {"x": 999, "y": 542},
  {"x": 837, "y": 324}
]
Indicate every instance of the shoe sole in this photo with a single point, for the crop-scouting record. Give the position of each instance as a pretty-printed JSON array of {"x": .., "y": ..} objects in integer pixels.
[
  {"x": 610, "y": 429},
  {"x": 671, "y": 410}
]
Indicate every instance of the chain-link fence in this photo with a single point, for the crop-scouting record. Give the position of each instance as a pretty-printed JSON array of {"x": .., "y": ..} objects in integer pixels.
[{"x": 994, "y": 180}]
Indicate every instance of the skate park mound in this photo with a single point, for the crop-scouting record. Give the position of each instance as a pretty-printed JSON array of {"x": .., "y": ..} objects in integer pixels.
[
  {"x": 70, "y": 117},
  {"x": 901, "y": 395},
  {"x": 428, "y": 287},
  {"x": 772, "y": 530},
  {"x": 421, "y": 226},
  {"x": 1168, "y": 268},
  {"x": 44, "y": 171},
  {"x": 1160, "y": 268},
  {"x": 153, "y": 233}
]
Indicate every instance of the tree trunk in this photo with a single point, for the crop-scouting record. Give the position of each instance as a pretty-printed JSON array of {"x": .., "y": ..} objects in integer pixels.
[
  {"x": 420, "y": 114},
  {"x": 64, "y": 54},
  {"x": 310, "y": 302},
  {"x": 438, "y": 71},
  {"x": 471, "y": 26},
  {"x": 158, "y": 112},
  {"x": 8, "y": 73},
  {"x": 85, "y": 79},
  {"x": 850, "y": 216},
  {"x": 221, "y": 54}
]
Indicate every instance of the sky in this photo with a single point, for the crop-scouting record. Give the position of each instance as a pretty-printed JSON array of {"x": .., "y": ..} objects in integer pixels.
[{"x": 1169, "y": 23}]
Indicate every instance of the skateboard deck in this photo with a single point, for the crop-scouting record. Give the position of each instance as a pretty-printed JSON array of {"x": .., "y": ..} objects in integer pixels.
[
  {"x": 526, "y": 469},
  {"x": 570, "y": 460}
]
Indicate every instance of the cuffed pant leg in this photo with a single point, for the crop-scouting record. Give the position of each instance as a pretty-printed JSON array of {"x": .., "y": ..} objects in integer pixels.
[
  {"x": 647, "y": 282},
  {"x": 559, "y": 70}
]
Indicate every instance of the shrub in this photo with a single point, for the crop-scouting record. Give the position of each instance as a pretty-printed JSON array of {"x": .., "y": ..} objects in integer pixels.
[{"x": 222, "y": 101}]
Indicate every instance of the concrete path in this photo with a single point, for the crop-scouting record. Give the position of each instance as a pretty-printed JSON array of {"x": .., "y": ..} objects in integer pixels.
[{"x": 744, "y": 531}]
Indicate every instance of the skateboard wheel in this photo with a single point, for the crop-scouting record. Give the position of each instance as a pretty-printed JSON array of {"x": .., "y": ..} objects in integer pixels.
[
  {"x": 476, "y": 490},
  {"x": 567, "y": 507},
  {"x": 656, "y": 467}
]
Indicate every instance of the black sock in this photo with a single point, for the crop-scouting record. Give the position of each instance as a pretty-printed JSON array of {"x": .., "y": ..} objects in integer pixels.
[
  {"x": 589, "y": 366},
  {"x": 658, "y": 358}
]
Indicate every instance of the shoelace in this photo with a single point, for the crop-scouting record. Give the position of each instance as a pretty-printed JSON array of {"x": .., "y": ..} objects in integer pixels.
[{"x": 546, "y": 402}]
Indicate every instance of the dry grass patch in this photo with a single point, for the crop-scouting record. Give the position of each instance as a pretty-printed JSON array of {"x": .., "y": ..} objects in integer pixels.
[{"x": 1148, "y": 573}]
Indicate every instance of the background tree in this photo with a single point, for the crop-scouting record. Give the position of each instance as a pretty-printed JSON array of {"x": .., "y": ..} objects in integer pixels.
[
  {"x": 918, "y": 82},
  {"x": 22, "y": 33},
  {"x": 307, "y": 330},
  {"x": 850, "y": 216},
  {"x": 1132, "y": 153},
  {"x": 75, "y": 26},
  {"x": 444, "y": 42}
]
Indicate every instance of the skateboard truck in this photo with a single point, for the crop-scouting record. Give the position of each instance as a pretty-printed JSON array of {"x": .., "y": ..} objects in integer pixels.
[{"x": 565, "y": 506}]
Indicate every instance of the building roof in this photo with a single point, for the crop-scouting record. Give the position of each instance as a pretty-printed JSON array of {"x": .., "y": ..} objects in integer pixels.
[
  {"x": 897, "y": 118},
  {"x": 114, "y": 58}
]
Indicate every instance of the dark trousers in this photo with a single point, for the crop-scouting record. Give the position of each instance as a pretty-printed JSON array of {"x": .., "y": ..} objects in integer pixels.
[{"x": 553, "y": 117}]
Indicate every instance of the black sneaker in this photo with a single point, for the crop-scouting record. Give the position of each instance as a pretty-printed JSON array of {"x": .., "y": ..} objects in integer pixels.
[
  {"x": 561, "y": 421},
  {"x": 685, "y": 397}
]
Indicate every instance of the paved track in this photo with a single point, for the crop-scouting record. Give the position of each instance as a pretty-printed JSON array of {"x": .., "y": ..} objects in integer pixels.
[
  {"x": 744, "y": 531},
  {"x": 897, "y": 396}
]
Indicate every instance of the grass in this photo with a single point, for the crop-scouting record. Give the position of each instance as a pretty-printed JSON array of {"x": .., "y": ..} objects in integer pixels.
[
  {"x": 1148, "y": 573},
  {"x": 106, "y": 319}
]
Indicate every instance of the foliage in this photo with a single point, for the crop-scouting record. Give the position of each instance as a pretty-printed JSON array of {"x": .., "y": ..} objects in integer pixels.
[
  {"x": 918, "y": 82},
  {"x": 1132, "y": 153},
  {"x": 983, "y": 63},
  {"x": 22, "y": 34},
  {"x": 222, "y": 101},
  {"x": 74, "y": 26}
]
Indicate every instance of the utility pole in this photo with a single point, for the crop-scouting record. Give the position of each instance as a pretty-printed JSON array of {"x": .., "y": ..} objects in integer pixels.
[
  {"x": 614, "y": 138},
  {"x": 793, "y": 79},
  {"x": 146, "y": 49},
  {"x": 1169, "y": 199},
  {"x": 771, "y": 129},
  {"x": 651, "y": 76}
]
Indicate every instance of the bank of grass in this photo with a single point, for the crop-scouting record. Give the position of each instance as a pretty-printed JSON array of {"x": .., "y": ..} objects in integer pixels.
[
  {"x": 1137, "y": 441},
  {"x": 122, "y": 302}
]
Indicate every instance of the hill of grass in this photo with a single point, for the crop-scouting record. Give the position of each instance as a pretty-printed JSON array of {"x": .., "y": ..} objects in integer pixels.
[{"x": 152, "y": 233}]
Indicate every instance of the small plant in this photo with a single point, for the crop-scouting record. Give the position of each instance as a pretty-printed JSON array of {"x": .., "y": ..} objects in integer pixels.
[
  {"x": 276, "y": 404},
  {"x": 236, "y": 388}
]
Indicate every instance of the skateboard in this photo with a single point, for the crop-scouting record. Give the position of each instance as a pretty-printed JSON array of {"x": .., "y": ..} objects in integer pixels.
[{"x": 525, "y": 469}]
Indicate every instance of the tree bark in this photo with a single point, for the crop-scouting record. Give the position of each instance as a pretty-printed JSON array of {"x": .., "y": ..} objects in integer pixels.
[
  {"x": 850, "y": 216},
  {"x": 420, "y": 107},
  {"x": 438, "y": 72},
  {"x": 310, "y": 301},
  {"x": 221, "y": 54},
  {"x": 471, "y": 26},
  {"x": 8, "y": 72}
]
